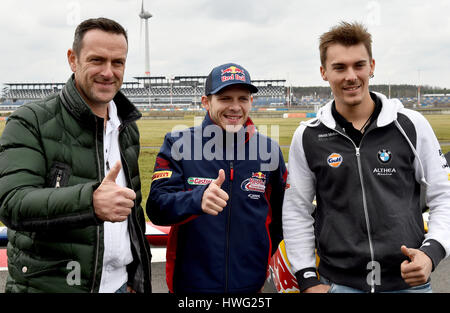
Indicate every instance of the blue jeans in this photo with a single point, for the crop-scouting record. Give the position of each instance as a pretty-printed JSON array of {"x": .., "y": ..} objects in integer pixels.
[
  {"x": 335, "y": 288},
  {"x": 122, "y": 289}
]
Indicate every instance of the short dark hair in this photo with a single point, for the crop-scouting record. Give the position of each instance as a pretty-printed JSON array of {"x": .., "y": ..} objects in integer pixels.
[
  {"x": 347, "y": 34},
  {"x": 101, "y": 23}
]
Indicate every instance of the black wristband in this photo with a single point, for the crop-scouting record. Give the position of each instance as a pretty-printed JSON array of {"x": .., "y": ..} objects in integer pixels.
[
  {"x": 307, "y": 278},
  {"x": 434, "y": 251}
]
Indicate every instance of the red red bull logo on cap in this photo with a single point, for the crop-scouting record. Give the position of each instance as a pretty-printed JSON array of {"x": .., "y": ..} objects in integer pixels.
[
  {"x": 335, "y": 160},
  {"x": 235, "y": 74},
  {"x": 233, "y": 70}
]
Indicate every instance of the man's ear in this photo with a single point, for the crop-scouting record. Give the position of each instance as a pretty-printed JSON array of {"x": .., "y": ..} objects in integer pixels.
[
  {"x": 372, "y": 66},
  {"x": 72, "y": 59},
  {"x": 205, "y": 102},
  {"x": 323, "y": 73}
]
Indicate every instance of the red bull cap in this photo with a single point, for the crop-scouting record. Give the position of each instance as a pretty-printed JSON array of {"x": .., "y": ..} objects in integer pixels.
[{"x": 226, "y": 75}]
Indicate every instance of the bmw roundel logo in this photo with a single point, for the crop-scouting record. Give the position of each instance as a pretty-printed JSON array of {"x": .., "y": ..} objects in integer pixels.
[{"x": 384, "y": 156}]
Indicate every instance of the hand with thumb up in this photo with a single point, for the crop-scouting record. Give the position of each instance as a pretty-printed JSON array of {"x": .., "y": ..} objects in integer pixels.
[
  {"x": 416, "y": 271},
  {"x": 214, "y": 198},
  {"x": 112, "y": 202}
]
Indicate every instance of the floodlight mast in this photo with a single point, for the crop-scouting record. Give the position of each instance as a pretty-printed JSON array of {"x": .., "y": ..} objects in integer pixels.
[{"x": 145, "y": 15}]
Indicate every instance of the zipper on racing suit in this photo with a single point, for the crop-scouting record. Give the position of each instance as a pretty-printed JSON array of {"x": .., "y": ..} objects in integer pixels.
[
  {"x": 366, "y": 212},
  {"x": 228, "y": 226},
  {"x": 58, "y": 179}
]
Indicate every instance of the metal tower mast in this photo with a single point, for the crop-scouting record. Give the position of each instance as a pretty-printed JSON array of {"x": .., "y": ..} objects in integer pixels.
[{"x": 144, "y": 15}]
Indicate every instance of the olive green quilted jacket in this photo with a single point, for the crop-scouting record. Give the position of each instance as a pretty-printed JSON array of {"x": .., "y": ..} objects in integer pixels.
[{"x": 51, "y": 161}]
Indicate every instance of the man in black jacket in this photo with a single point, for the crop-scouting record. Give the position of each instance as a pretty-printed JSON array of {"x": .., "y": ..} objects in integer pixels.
[{"x": 364, "y": 159}]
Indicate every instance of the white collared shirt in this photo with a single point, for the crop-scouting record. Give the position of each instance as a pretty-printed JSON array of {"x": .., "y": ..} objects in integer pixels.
[{"x": 117, "y": 253}]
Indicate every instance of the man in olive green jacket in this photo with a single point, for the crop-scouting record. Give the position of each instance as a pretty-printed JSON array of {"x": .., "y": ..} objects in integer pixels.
[{"x": 70, "y": 190}]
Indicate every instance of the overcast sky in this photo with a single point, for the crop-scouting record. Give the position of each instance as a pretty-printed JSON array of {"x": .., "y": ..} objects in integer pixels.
[{"x": 273, "y": 39}]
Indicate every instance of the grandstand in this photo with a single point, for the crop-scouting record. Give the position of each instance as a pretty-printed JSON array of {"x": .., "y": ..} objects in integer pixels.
[
  {"x": 31, "y": 91},
  {"x": 160, "y": 92},
  {"x": 435, "y": 99},
  {"x": 153, "y": 92},
  {"x": 310, "y": 101},
  {"x": 427, "y": 100}
]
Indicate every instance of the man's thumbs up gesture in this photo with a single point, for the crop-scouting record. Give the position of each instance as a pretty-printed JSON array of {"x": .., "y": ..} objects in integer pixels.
[
  {"x": 112, "y": 202},
  {"x": 214, "y": 198},
  {"x": 416, "y": 271}
]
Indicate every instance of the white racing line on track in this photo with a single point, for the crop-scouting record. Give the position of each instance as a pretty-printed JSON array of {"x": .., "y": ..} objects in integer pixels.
[{"x": 158, "y": 254}]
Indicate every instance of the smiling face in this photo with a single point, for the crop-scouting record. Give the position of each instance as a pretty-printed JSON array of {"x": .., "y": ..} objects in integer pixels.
[
  {"x": 347, "y": 70},
  {"x": 230, "y": 108},
  {"x": 99, "y": 67}
]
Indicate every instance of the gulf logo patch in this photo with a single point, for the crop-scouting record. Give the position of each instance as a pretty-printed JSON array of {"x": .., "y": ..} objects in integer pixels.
[{"x": 335, "y": 160}]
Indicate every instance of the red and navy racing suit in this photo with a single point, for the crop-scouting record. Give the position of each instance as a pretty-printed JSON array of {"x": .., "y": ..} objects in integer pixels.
[{"x": 227, "y": 253}]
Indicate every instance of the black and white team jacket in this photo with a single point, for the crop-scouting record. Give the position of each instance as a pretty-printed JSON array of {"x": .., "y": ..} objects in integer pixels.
[{"x": 368, "y": 199}]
